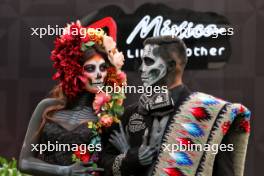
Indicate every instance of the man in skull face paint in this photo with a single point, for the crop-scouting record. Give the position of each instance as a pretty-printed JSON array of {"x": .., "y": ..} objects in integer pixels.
[
  {"x": 153, "y": 67},
  {"x": 157, "y": 123}
]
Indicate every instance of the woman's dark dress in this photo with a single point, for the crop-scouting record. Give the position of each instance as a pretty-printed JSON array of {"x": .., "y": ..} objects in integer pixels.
[{"x": 56, "y": 135}]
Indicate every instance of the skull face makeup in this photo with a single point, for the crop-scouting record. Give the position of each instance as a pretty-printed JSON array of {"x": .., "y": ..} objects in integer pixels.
[
  {"x": 95, "y": 72},
  {"x": 153, "y": 67}
]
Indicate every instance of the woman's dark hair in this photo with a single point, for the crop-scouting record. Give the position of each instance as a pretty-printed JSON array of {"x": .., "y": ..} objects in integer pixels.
[{"x": 91, "y": 51}]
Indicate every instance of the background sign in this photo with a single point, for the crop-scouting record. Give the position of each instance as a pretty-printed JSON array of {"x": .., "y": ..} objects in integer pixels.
[{"x": 206, "y": 34}]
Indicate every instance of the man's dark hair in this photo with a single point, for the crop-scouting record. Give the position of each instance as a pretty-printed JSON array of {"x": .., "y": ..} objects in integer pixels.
[{"x": 170, "y": 48}]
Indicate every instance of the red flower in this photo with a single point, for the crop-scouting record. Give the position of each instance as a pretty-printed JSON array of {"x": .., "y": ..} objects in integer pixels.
[
  {"x": 122, "y": 76},
  {"x": 225, "y": 126},
  {"x": 100, "y": 100},
  {"x": 65, "y": 56},
  {"x": 106, "y": 120},
  {"x": 83, "y": 156},
  {"x": 245, "y": 125}
]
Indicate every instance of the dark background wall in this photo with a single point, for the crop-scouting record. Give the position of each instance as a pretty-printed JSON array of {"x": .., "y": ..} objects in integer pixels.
[{"x": 25, "y": 68}]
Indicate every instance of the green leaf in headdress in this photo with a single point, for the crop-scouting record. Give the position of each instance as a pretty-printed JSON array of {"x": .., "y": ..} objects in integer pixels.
[
  {"x": 89, "y": 44},
  {"x": 85, "y": 46}
]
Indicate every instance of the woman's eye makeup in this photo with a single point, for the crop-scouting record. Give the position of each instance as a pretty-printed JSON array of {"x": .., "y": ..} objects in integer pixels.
[
  {"x": 103, "y": 67},
  {"x": 89, "y": 68}
]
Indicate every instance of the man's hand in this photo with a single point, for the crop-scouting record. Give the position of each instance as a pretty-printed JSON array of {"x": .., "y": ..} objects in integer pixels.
[
  {"x": 145, "y": 152},
  {"x": 120, "y": 139},
  {"x": 79, "y": 168},
  {"x": 157, "y": 131}
]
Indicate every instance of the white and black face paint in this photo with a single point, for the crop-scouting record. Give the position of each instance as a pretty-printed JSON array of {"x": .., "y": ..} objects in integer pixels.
[
  {"x": 95, "y": 71},
  {"x": 153, "y": 67}
]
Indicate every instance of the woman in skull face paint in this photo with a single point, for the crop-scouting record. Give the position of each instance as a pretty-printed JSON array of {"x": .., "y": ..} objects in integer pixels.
[
  {"x": 95, "y": 69},
  {"x": 62, "y": 118}
]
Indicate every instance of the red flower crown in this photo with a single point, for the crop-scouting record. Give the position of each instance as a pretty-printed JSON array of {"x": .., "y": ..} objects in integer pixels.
[{"x": 69, "y": 48}]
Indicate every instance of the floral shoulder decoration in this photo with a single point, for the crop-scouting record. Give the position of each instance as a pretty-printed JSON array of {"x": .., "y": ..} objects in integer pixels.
[{"x": 69, "y": 48}]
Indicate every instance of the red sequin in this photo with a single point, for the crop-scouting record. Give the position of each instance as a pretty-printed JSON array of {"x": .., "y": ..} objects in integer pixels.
[
  {"x": 185, "y": 141},
  {"x": 245, "y": 125},
  {"x": 200, "y": 113},
  {"x": 242, "y": 109},
  {"x": 225, "y": 126},
  {"x": 173, "y": 172}
]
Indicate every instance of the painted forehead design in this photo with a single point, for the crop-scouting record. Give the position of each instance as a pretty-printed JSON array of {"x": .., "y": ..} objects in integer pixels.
[
  {"x": 95, "y": 61},
  {"x": 148, "y": 51}
]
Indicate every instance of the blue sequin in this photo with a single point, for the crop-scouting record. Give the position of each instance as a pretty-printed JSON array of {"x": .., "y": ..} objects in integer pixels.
[
  {"x": 181, "y": 158},
  {"x": 208, "y": 101},
  {"x": 193, "y": 129},
  {"x": 247, "y": 114}
]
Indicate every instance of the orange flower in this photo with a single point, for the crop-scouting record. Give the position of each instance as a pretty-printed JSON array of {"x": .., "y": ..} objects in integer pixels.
[
  {"x": 120, "y": 101},
  {"x": 115, "y": 78}
]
